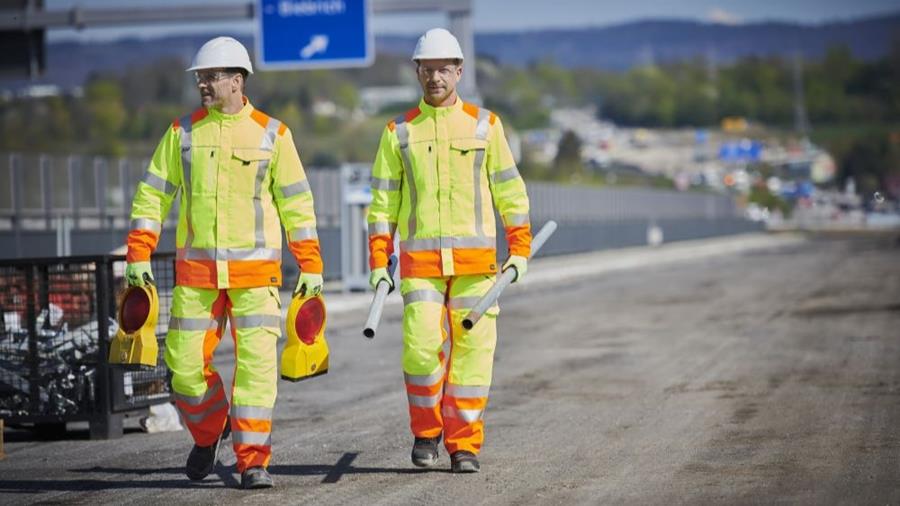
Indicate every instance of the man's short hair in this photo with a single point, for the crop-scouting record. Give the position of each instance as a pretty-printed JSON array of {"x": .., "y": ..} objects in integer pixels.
[{"x": 238, "y": 70}]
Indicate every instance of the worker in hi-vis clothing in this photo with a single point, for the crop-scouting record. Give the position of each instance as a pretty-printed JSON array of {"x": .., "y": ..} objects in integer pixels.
[
  {"x": 440, "y": 171},
  {"x": 240, "y": 179}
]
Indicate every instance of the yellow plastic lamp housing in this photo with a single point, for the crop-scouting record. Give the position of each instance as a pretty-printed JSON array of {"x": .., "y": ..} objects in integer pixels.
[
  {"x": 306, "y": 353},
  {"x": 135, "y": 344}
]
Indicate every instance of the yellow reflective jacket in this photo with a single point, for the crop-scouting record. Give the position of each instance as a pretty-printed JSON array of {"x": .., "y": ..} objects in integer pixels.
[
  {"x": 437, "y": 176},
  {"x": 240, "y": 177}
]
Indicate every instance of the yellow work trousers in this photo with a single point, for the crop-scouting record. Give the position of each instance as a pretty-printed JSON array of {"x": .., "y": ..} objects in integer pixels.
[
  {"x": 447, "y": 393},
  {"x": 195, "y": 329}
]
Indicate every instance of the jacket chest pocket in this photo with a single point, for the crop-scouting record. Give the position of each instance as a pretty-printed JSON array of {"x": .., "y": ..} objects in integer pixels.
[
  {"x": 424, "y": 162},
  {"x": 467, "y": 158},
  {"x": 248, "y": 171}
]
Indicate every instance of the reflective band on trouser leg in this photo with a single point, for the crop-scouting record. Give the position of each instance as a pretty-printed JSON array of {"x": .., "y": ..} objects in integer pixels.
[
  {"x": 423, "y": 358},
  {"x": 256, "y": 324},
  {"x": 252, "y": 435},
  {"x": 195, "y": 330},
  {"x": 471, "y": 365}
]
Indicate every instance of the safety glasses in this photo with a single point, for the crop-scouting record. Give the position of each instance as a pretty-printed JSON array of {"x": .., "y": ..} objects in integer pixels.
[{"x": 211, "y": 77}]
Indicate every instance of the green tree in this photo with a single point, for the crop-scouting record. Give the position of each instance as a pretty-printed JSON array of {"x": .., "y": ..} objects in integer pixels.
[{"x": 107, "y": 116}]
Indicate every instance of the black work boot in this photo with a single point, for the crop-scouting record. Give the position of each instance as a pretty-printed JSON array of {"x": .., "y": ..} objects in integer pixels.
[
  {"x": 464, "y": 462},
  {"x": 425, "y": 451},
  {"x": 202, "y": 459},
  {"x": 256, "y": 477}
]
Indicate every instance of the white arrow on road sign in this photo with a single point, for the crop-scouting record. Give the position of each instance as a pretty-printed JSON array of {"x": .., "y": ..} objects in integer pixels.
[{"x": 317, "y": 44}]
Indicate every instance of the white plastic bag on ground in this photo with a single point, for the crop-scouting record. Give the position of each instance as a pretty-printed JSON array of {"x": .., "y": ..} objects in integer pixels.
[{"x": 162, "y": 418}]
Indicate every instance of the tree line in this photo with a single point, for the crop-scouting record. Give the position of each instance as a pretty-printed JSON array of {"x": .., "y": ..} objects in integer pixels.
[{"x": 126, "y": 114}]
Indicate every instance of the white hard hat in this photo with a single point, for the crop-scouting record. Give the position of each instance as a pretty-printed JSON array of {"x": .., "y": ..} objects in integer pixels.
[
  {"x": 437, "y": 44},
  {"x": 222, "y": 52}
]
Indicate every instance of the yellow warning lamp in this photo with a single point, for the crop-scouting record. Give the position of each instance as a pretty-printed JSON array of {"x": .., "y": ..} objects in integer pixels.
[
  {"x": 306, "y": 352},
  {"x": 135, "y": 345}
]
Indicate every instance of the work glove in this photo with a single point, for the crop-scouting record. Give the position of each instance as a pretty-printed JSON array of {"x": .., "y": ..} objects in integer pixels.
[
  {"x": 308, "y": 284},
  {"x": 138, "y": 273},
  {"x": 377, "y": 275},
  {"x": 520, "y": 263}
]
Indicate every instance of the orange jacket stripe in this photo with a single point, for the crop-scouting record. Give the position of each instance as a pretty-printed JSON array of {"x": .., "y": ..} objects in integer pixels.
[
  {"x": 382, "y": 247},
  {"x": 307, "y": 254},
  {"x": 518, "y": 237},
  {"x": 427, "y": 263},
  {"x": 140, "y": 244}
]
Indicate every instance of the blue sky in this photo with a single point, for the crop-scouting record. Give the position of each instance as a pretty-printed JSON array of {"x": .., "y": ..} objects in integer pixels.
[{"x": 500, "y": 15}]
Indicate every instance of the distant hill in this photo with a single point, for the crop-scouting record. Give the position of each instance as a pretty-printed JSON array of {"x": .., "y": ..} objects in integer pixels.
[
  {"x": 622, "y": 46},
  {"x": 614, "y": 47}
]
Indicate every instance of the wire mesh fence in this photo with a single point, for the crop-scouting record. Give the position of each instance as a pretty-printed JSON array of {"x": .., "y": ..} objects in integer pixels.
[{"x": 57, "y": 316}]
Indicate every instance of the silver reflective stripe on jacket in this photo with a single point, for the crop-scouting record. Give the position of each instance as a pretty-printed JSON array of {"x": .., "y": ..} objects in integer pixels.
[
  {"x": 379, "y": 183},
  {"x": 186, "y": 126},
  {"x": 228, "y": 254},
  {"x": 456, "y": 242},
  {"x": 481, "y": 132},
  {"x": 382, "y": 227},
  {"x": 402, "y": 130},
  {"x": 159, "y": 183},
  {"x": 295, "y": 188},
  {"x": 146, "y": 224},
  {"x": 302, "y": 233},
  {"x": 510, "y": 220},
  {"x": 505, "y": 175}
]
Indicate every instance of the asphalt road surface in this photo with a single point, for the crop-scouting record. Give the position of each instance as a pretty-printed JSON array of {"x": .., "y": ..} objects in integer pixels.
[{"x": 769, "y": 375}]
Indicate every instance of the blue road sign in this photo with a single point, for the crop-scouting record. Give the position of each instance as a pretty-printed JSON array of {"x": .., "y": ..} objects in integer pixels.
[{"x": 302, "y": 34}]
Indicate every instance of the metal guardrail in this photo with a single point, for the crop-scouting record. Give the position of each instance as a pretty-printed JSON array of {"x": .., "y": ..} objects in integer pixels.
[{"x": 96, "y": 192}]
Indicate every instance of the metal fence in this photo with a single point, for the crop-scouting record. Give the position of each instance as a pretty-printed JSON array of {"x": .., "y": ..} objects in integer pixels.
[
  {"x": 96, "y": 192},
  {"x": 57, "y": 317},
  {"x": 93, "y": 192}
]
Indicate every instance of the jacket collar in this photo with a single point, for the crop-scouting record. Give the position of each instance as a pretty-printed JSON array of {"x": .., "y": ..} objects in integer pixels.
[
  {"x": 440, "y": 111},
  {"x": 218, "y": 115}
]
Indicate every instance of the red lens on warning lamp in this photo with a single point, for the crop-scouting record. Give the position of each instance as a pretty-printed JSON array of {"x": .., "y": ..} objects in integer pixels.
[
  {"x": 135, "y": 310},
  {"x": 309, "y": 320}
]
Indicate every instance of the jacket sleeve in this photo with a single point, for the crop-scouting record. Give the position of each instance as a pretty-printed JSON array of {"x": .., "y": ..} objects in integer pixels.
[
  {"x": 385, "y": 207},
  {"x": 294, "y": 201},
  {"x": 508, "y": 192},
  {"x": 154, "y": 196}
]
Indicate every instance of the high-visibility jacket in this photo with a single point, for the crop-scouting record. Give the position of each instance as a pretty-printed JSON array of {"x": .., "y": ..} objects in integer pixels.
[
  {"x": 239, "y": 176},
  {"x": 437, "y": 176}
]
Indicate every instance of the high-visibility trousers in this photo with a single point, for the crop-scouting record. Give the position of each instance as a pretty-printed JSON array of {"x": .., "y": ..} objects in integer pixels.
[
  {"x": 447, "y": 394},
  {"x": 195, "y": 328}
]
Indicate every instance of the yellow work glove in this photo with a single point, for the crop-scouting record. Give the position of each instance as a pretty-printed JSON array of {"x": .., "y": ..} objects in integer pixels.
[
  {"x": 138, "y": 274},
  {"x": 308, "y": 285},
  {"x": 379, "y": 274},
  {"x": 520, "y": 263}
]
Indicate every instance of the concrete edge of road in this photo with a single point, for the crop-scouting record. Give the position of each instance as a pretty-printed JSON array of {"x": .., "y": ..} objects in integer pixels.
[{"x": 560, "y": 268}]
